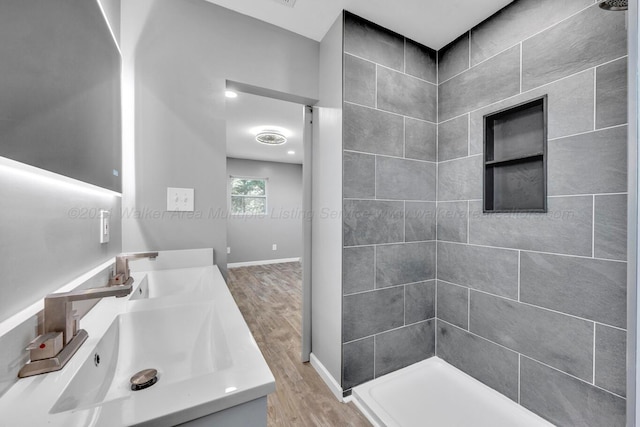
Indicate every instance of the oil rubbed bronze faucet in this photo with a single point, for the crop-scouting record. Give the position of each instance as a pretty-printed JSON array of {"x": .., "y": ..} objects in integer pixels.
[{"x": 62, "y": 336}]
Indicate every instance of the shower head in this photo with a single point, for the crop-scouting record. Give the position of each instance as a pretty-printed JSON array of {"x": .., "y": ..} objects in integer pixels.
[{"x": 614, "y": 5}]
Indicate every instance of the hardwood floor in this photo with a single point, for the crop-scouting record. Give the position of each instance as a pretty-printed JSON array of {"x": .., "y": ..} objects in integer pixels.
[{"x": 270, "y": 299}]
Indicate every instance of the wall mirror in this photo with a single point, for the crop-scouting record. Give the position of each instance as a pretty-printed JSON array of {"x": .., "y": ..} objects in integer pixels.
[{"x": 60, "y": 89}]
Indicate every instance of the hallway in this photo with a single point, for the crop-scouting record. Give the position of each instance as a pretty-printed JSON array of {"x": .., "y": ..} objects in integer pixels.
[{"x": 270, "y": 300}]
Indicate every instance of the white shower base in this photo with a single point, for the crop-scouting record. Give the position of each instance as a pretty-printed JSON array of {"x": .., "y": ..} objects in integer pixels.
[{"x": 433, "y": 393}]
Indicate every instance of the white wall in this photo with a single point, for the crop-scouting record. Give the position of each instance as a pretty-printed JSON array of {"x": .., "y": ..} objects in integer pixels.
[
  {"x": 251, "y": 237},
  {"x": 326, "y": 248},
  {"x": 177, "y": 55}
]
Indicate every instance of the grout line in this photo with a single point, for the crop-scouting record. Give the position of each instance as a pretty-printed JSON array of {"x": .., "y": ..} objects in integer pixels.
[
  {"x": 593, "y": 227},
  {"x": 460, "y": 158},
  {"x": 376, "y": 289},
  {"x": 536, "y": 252},
  {"x": 519, "y": 253},
  {"x": 609, "y": 326},
  {"x": 391, "y": 69},
  {"x": 388, "y": 330},
  {"x": 587, "y": 194},
  {"x": 389, "y": 156},
  {"x": 528, "y": 304},
  {"x": 387, "y": 200},
  {"x": 375, "y": 267},
  {"x": 595, "y": 98},
  {"x": 469, "y": 309},
  {"x": 375, "y": 178},
  {"x": 487, "y": 106},
  {"x": 514, "y": 45},
  {"x": 521, "y": 69},
  {"x": 390, "y": 244},
  {"x": 577, "y": 378},
  {"x": 530, "y": 358},
  {"x": 519, "y": 376},
  {"x": 404, "y": 137},
  {"x": 594, "y": 355}
]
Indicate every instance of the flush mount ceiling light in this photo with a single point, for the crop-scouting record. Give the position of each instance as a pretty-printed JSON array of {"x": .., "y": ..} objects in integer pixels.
[
  {"x": 291, "y": 152},
  {"x": 230, "y": 94},
  {"x": 270, "y": 137}
]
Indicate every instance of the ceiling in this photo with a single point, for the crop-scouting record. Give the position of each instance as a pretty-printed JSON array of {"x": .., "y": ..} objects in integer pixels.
[
  {"x": 248, "y": 113},
  {"x": 433, "y": 23}
]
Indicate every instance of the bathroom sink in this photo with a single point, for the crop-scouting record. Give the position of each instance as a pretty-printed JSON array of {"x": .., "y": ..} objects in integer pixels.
[
  {"x": 181, "y": 343},
  {"x": 194, "y": 281}
]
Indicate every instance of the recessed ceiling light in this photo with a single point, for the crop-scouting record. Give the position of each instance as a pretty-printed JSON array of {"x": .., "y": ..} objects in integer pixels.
[
  {"x": 291, "y": 152},
  {"x": 271, "y": 137},
  {"x": 230, "y": 94}
]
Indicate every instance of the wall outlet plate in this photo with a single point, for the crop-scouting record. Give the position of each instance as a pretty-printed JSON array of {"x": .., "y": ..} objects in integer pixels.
[
  {"x": 180, "y": 199},
  {"x": 104, "y": 226}
]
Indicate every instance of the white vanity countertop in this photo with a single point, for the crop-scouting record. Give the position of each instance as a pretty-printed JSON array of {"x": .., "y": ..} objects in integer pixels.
[{"x": 245, "y": 376}]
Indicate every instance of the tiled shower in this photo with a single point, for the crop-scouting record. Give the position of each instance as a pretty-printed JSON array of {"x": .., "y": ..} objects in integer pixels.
[{"x": 531, "y": 304}]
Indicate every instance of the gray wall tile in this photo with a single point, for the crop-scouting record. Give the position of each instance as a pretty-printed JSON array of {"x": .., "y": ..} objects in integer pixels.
[
  {"x": 372, "y": 131},
  {"x": 453, "y": 58},
  {"x": 487, "y": 362},
  {"x": 359, "y": 81},
  {"x": 516, "y": 22},
  {"x": 357, "y": 359},
  {"x": 369, "y": 222},
  {"x": 581, "y": 42},
  {"x": 420, "y": 61},
  {"x": 611, "y": 94},
  {"x": 588, "y": 288},
  {"x": 489, "y": 82},
  {"x": 453, "y": 138},
  {"x": 591, "y": 163},
  {"x": 405, "y": 263},
  {"x": 460, "y": 179},
  {"x": 452, "y": 221},
  {"x": 487, "y": 269},
  {"x": 420, "y": 301},
  {"x": 420, "y": 221},
  {"x": 372, "y": 312},
  {"x": 373, "y": 42},
  {"x": 453, "y": 304},
  {"x": 558, "y": 340},
  {"x": 564, "y": 229},
  {"x": 403, "y": 179},
  {"x": 570, "y": 104},
  {"x": 359, "y": 175},
  {"x": 407, "y": 95},
  {"x": 611, "y": 226},
  {"x": 358, "y": 272},
  {"x": 420, "y": 140},
  {"x": 403, "y": 347},
  {"x": 611, "y": 361},
  {"x": 566, "y": 401}
]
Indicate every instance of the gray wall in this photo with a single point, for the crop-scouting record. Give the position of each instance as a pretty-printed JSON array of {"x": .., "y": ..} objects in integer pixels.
[
  {"x": 177, "y": 56},
  {"x": 534, "y": 305},
  {"x": 49, "y": 226},
  {"x": 251, "y": 237},
  {"x": 326, "y": 194},
  {"x": 389, "y": 190}
]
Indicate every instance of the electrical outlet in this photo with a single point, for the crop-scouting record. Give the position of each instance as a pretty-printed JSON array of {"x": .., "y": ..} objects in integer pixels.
[
  {"x": 104, "y": 226},
  {"x": 274, "y": 247},
  {"x": 180, "y": 199}
]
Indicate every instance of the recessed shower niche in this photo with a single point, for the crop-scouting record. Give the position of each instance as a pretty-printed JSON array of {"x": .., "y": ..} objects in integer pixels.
[{"x": 515, "y": 164}]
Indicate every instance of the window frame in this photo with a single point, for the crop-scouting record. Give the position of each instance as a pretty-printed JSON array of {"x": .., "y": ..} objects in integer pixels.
[{"x": 265, "y": 196}]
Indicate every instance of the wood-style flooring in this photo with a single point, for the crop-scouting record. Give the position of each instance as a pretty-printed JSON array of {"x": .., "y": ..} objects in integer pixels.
[{"x": 270, "y": 299}]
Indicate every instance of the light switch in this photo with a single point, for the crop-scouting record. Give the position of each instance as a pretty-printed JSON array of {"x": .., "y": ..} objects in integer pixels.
[
  {"x": 104, "y": 226},
  {"x": 180, "y": 199}
]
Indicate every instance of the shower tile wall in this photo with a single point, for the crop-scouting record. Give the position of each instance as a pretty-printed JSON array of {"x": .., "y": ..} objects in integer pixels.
[
  {"x": 389, "y": 190},
  {"x": 534, "y": 305}
]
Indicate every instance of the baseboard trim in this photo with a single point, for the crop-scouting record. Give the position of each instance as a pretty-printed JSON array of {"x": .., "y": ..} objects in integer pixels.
[
  {"x": 265, "y": 262},
  {"x": 326, "y": 377}
]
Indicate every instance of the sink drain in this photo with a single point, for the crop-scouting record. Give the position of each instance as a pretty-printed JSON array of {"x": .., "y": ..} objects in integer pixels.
[{"x": 144, "y": 379}]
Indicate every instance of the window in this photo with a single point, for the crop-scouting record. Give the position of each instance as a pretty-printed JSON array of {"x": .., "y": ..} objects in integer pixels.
[
  {"x": 515, "y": 164},
  {"x": 248, "y": 196}
]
